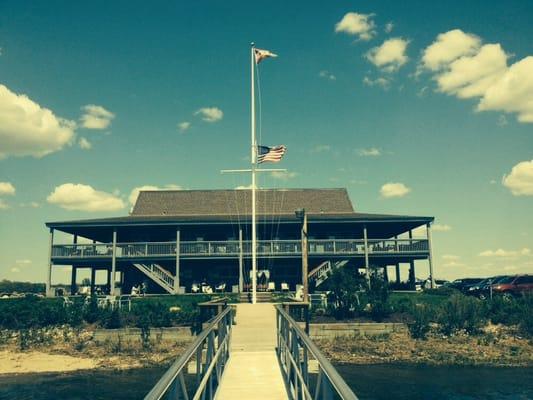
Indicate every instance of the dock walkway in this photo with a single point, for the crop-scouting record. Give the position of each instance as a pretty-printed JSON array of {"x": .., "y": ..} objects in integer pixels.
[{"x": 253, "y": 370}]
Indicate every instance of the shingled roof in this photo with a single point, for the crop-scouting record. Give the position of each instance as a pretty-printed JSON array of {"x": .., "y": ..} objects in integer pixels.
[{"x": 238, "y": 202}]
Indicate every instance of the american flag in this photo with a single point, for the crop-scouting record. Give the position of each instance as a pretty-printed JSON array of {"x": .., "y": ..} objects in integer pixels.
[{"x": 270, "y": 154}]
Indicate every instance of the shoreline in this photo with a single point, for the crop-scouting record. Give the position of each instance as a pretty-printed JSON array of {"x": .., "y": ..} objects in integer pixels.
[{"x": 437, "y": 350}]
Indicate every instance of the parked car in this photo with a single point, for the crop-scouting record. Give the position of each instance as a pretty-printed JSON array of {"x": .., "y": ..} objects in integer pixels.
[
  {"x": 464, "y": 283},
  {"x": 482, "y": 289},
  {"x": 514, "y": 285}
]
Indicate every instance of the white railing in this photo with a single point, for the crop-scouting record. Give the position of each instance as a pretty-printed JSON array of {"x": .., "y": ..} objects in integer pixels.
[{"x": 230, "y": 248}]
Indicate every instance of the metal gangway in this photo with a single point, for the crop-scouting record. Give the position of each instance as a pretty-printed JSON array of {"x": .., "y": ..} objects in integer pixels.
[{"x": 267, "y": 355}]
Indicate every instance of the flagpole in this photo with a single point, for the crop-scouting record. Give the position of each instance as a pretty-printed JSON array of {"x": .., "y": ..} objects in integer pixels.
[{"x": 253, "y": 159}]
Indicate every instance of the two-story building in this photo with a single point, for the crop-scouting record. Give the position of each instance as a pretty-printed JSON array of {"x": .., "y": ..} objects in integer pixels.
[{"x": 175, "y": 238}]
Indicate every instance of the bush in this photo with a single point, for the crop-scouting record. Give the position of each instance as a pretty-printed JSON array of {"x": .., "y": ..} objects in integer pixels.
[
  {"x": 526, "y": 323},
  {"x": 114, "y": 320},
  {"x": 461, "y": 313},
  {"x": 344, "y": 296},
  {"x": 378, "y": 298},
  {"x": 420, "y": 326}
]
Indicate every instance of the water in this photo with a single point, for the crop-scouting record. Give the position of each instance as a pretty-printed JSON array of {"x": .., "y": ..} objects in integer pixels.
[
  {"x": 380, "y": 382},
  {"x": 371, "y": 382}
]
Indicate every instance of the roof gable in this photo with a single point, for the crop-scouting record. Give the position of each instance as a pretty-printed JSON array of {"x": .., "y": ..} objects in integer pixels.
[{"x": 238, "y": 202}]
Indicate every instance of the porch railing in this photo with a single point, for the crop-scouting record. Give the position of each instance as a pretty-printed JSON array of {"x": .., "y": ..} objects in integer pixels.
[
  {"x": 295, "y": 349},
  {"x": 210, "y": 352},
  {"x": 230, "y": 248}
]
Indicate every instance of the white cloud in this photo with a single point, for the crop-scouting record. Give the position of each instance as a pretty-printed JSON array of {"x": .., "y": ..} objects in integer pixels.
[
  {"x": 360, "y": 25},
  {"x": 472, "y": 76},
  {"x": 7, "y": 188},
  {"x": 391, "y": 189},
  {"x": 15, "y": 270},
  {"x": 96, "y": 117},
  {"x": 520, "y": 180},
  {"x": 283, "y": 175},
  {"x": 210, "y": 114},
  {"x": 381, "y": 82},
  {"x": 441, "y": 228},
  {"x": 389, "y": 26},
  {"x": 135, "y": 191},
  {"x": 27, "y": 129},
  {"x": 320, "y": 148},
  {"x": 370, "y": 152},
  {"x": 327, "y": 75},
  {"x": 23, "y": 262},
  {"x": 466, "y": 69},
  {"x": 448, "y": 47},
  {"x": 80, "y": 197},
  {"x": 450, "y": 257},
  {"x": 505, "y": 253},
  {"x": 31, "y": 204},
  {"x": 84, "y": 144},
  {"x": 244, "y": 187},
  {"x": 3, "y": 205},
  {"x": 183, "y": 126},
  {"x": 513, "y": 92},
  {"x": 390, "y": 55}
]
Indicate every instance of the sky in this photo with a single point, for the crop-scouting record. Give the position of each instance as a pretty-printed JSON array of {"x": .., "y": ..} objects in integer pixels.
[{"x": 417, "y": 109}]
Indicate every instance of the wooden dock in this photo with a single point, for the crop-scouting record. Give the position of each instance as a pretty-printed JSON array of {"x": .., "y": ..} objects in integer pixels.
[{"x": 253, "y": 370}]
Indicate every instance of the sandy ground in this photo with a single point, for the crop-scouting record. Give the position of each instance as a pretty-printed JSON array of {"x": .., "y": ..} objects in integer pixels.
[{"x": 12, "y": 362}]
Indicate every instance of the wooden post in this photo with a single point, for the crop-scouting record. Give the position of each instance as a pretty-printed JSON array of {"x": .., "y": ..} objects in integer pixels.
[
  {"x": 367, "y": 267},
  {"x": 73, "y": 271},
  {"x": 93, "y": 280},
  {"x": 305, "y": 255},
  {"x": 113, "y": 263},
  {"x": 50, "y": 264},
  {"x": 241, "y": 273},
  {"x": 178, "y": 249},
  {"x": 385, "y": 273},
  {"x": 73, "y": 285},
  {"x": 398, "y": 273},
  {"x": 412, "y": 277},
  {"x": 430, "y": 258}
]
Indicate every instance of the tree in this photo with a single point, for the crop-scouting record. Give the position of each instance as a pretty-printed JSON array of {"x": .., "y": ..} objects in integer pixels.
[{"x": 344, "y": 297}]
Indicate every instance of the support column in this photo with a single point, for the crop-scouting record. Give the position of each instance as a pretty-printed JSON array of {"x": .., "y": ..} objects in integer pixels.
[
  {"x": 412, "y": 277},
  {"x": 367, "y": 267},
  {"x": 73, "y": 286},
  {"x": 113, "y": 263},
  {"x": 178, "y": 249},
  {"x": 430, "y": 258},
  {"x": 305, "y": 259},
  {"x": 386, "y": 273},
  {"x": 109, "y": 279},
  {"x": 241, "y": 264},
  {"x": 398, "y": 279},
  {"x": 50, "y": 264},
  {"x": 73, "y": 271},
  {"x": 93, "y": 279}
]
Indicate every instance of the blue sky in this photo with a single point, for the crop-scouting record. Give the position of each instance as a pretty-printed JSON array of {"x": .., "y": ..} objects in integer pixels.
[{"x": 424, "y": 109}]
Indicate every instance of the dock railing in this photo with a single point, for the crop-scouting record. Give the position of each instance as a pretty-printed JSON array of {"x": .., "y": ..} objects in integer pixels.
[
  {"x": 210, "y": 350},
  {"x": 295, "y": 349}
]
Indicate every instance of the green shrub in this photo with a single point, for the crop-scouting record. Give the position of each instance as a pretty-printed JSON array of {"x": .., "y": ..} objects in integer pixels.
[
  {"x": 114, "y": 320},
  {"x": 344, "y": 296},
  {"x": 378, "y": 298},
  {"x": 461, "y": 313},
  {"x": 526, "y": 307},
  {"x": 420, "y": 326}
]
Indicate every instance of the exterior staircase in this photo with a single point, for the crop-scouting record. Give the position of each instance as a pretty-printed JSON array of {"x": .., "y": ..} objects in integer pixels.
[
  {"x": 321, "y": 273},
  {"x": 159, "y": 275},
  {"x": 262, "y": 297}
]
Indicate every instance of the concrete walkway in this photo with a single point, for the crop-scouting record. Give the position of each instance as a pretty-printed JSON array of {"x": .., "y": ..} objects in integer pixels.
[{"x": 253, "y": 371}]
